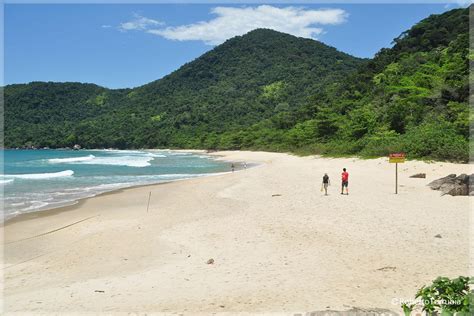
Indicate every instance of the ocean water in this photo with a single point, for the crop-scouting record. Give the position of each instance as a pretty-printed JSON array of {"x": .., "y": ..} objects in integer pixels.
[{"x": 42, "y": 179}]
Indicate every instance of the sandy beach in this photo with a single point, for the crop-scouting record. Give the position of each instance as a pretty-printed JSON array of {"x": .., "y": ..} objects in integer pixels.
[{"x": 278, "y": 244}]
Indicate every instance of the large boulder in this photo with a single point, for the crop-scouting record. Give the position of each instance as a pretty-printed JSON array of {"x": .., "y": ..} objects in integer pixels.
[
  {"x": 436, "y": 184},
  {"x": 471, "y": 184},
  {"x": 454, "y": 185}
]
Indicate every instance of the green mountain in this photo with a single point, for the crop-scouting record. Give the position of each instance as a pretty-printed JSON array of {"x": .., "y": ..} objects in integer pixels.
[
  {"x": 237, "y": 84},
  {"x": 412, "y": 97},
  {"x": 272, "y": 91}
]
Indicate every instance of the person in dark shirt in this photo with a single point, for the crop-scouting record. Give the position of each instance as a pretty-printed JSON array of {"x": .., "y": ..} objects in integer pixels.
[{"x": 326, "y": 183}]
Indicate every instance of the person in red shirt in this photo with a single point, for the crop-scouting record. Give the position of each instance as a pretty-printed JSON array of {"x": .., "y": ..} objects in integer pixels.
[{"x": 345, "y": 181}]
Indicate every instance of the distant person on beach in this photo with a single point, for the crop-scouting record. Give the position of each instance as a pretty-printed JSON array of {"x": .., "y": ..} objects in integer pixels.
[
  {"x": 232, "y": 167},
  {"x": 326, "y": 183},
  {"x": 345, "y": 181}
]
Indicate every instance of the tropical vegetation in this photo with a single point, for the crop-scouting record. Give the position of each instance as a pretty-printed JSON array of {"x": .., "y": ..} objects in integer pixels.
[{"x": 267, "y": 90}]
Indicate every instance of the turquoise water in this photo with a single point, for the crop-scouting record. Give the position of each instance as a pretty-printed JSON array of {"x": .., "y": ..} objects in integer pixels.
[{"x": 42, "y": 179}]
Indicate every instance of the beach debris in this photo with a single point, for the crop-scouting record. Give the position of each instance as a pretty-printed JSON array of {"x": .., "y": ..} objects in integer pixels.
[
  {"x": 387, "y": 268},
  {"x": 419, "y": 175},
  {"x": 76, "y": 147},
  {"x": 99, "y": 291},
  {"x": 276, "y": 195},
  {"x": 189, "y": 256},
  {"x": 438, "y": 236},
  {"x": 221, "y": 306},
  {"x": 210, "y": 261},
  {"x": 454, "y": 185}
]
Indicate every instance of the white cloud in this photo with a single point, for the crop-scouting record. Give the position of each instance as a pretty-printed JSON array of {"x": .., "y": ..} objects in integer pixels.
[
  {"x": 232, "y": 21},
  {"x": 139, "y": 23},
  {"x": 106, "y": 26}
]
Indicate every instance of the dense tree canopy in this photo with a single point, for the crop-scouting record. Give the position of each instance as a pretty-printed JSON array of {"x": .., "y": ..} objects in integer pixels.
[{"x": 273, "y": 91}]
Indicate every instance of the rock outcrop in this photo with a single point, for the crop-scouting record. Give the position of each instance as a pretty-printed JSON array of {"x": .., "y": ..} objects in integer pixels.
[{"x": 454, "y": 185}]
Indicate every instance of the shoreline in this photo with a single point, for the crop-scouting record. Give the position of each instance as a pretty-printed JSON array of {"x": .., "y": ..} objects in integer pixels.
[
  {"x": 71, "y": 205},
  {"x": 279, "y": 245},
  {"x": 77, "y": 204}
]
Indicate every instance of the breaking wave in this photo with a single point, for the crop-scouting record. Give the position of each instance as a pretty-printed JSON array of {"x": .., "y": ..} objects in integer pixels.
[
  {"x": 37, "y": 176},
  {"x": 69, "y": 160}
]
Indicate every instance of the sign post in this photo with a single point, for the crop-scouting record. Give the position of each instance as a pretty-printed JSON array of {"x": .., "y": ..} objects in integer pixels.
[
  {"x": 396, "y": 178},
  {"x": 396, "y": 158}
]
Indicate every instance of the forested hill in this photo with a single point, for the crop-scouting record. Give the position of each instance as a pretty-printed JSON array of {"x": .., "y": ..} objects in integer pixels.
[
  {"x": 235, "y": 85},
  {"x": 413, "y": 97},
  {"x": 273, "y": 91}
]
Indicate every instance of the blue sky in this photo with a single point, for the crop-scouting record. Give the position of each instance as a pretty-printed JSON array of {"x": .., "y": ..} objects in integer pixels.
[{"x": 125, "y": 45}]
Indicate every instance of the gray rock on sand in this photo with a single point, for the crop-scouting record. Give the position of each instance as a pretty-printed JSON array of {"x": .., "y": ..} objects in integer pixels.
[
  {"x": 210, "y": 261},
  {"x": 419, "y": 175},
  {"x": 471, "y": 184},
  {"x": 436, "y": 184},
  {"x": 454, "y": 185}
]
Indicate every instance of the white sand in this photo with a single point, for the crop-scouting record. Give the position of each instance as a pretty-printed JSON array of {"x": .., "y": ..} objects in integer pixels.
[{"x": 298, "y": 252}]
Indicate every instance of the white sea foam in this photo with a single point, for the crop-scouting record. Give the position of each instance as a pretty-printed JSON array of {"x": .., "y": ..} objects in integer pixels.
[
  {"x": 178, "y": 153},
  {"x": 129, "y": 152},
  {"x": 72, "y": 159},
  {"x": 36, "y": 205},
  {"x": 155, "y": 155},
  {"x": 18, "y": 204},
  {"x": 6, "y": 181},
  {"x": 39, "y": 176},
  {"x": 128, "y": 161},
  {"x": 110, "y": 187}
]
